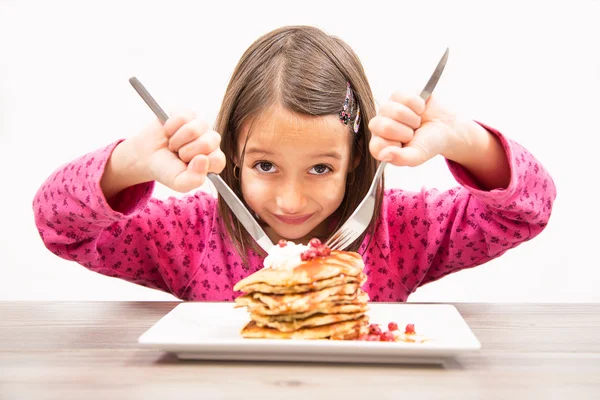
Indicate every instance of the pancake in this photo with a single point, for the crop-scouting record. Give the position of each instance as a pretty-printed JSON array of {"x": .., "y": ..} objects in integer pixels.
[
  {"x": 305, "y": 292},
  {"x": 338, "y": 263},
  {"x": 338, "y": 329},
  {"x": 307, "y": 287},
  {"x": 297, "y": 303},
  {"x": 324, "y": 308},
  {"x": 328, "y": 306},
  {"x": 294, "y": 325},
  {"x": 361, "y": 329}
]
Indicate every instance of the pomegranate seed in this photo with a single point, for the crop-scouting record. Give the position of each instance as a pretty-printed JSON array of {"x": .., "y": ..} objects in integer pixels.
[
  {"x": 410, "y": 329},
  {"x": 392, "y": 326},
  {"x": 387, "y": 337},
  {"x": 308, "y": 255},
  {"x": 372, "y": 338},
  {"x": 374, "y": 329},
  {"x": 314, "y": 242},
  {"x": 324, "y": 251},
  {"x": 282, "y": 242}
]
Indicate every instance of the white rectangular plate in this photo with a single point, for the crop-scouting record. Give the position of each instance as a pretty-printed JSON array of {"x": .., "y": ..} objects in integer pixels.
[{"x": 211, "y": 331}]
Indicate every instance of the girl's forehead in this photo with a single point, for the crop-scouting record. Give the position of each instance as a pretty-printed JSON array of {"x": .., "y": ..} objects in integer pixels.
[{"x": 281, "y": 127}]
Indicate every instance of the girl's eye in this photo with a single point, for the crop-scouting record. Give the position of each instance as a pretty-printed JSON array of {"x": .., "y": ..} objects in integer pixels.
[
  {"x": 265, "y": 167},
  {"x": 320, "y": 169}
]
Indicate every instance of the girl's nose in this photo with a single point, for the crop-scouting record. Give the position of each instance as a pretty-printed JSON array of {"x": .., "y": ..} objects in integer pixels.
[{"x": 290, "y": 198}]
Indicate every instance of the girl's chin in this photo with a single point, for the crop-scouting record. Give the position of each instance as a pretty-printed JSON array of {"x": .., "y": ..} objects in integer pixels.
[{"x": 293, "y": 234}]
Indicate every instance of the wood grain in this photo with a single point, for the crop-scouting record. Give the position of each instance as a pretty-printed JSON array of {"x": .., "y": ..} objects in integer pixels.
[{"x": 88, "y": 350}]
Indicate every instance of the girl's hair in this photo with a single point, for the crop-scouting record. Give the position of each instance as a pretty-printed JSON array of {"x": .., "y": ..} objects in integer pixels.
[{"x": 305, "y": 71}]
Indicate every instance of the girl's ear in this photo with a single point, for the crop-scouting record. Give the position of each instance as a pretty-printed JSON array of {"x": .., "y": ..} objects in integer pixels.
[{"x": 356, "y": 161}]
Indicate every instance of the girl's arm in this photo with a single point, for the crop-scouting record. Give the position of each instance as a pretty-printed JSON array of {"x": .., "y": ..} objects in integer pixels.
[
  {"x": 483, "y": 156},
  {"x": 429, "y": 234},
  {"x": 158, "y": 244}
]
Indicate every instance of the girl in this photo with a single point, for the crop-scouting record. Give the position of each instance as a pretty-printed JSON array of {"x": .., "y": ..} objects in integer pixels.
[{"x": 298, "y": 139}]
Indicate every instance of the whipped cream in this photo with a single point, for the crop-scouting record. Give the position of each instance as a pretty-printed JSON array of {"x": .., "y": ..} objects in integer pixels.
[{"x": 285, "y": 257}]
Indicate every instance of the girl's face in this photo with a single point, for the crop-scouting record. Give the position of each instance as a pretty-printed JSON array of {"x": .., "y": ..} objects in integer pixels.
[{"x": 294, "y": 171}]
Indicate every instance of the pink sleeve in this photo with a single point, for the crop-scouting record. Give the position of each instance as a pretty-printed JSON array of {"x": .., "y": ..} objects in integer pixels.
[
  {"x": 153, "y": 243},
  {"x": 432, "y": 233}
]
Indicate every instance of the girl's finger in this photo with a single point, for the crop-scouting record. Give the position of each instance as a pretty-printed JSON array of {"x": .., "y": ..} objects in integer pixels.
[
  {"x": 199, "y": 164},
  {"x": 205, "y": 144},
  {"x": 414, "y": 102},
  {"x": 378, "y": 144},
  {"x": 187, "y": 133},
  {"x": 426, "y": 144},
  {"x": 177, "y": 120},
  {"x": 405, "y": 157},
  {"x": 390, "y": 129},
  {"x": 193, "y": 176},
  {"x": 400, "y": 113},
  {"x": 216, "y": 161}
]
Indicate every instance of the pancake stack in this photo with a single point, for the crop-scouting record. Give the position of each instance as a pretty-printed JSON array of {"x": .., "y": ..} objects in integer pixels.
[{"x": 315, "y": 294}]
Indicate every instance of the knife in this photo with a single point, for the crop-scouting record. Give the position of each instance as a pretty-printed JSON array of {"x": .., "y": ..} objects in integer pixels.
[{"x": 236, "y": 205}]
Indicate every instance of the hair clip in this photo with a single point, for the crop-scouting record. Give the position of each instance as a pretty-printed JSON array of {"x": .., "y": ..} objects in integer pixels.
[
  {"x": 357, "y": 119},
  {"x": 345, "y": 115}
]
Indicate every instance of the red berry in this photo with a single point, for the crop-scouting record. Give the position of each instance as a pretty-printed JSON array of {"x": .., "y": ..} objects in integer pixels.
[
  {"x": 314, "y": 242},
  {"x": 372, "y": 338},
  {"x": 374, "y": 329},
  {"x": 387, "y": 337},
  {"x": 324, "y": 251},
  {"x": 308, "y": 255},
  {"x": 392, "y": 326},
  {"x": 410, "y": 329},
  {"x": 282, "y": 242}
]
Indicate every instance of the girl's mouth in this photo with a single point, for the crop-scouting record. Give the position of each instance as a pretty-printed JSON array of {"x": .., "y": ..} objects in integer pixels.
[{"x": 293, "y": 219}]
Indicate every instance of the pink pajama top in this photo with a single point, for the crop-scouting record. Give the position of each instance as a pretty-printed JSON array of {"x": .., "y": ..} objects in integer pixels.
[{"x": 180, "y": 245}]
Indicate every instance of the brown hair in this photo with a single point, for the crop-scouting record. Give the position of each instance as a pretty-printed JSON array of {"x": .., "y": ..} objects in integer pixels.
[{"x": 306, "y": 71}]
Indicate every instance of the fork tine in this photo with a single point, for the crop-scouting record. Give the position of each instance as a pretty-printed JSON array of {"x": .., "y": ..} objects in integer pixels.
[
  {"x": 335, "y": 242},
  {"x": 342, "y": 237},
  {"x": 331, "y": 239},
  {"x": 345, "y": 241},
  {"x": 336, "y": 236}
]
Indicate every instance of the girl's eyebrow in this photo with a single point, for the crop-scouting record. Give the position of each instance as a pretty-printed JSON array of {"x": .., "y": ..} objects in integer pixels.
[
  {"x": 256, "y": 150},
  {"x": 328, "y": 154}
]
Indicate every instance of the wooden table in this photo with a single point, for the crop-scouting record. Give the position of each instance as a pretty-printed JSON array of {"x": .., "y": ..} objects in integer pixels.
[{"x": 88, "y": 350}]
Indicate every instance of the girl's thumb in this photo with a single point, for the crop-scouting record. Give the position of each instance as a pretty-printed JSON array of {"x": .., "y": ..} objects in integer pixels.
[{"x": 408, "y": 156}]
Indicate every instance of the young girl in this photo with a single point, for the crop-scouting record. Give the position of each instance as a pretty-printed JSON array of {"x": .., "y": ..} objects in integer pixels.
[{"x": 299, "y": 140}]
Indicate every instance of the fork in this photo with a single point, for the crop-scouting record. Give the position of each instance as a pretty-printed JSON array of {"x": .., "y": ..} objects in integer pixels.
[{"x": 356, "y": 224}]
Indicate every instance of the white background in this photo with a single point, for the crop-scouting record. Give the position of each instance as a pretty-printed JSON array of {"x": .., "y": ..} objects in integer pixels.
[{"x": 531, "y": 70}]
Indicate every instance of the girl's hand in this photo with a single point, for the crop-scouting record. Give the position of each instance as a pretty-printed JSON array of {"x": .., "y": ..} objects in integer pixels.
[
  {"x": 181, "y": 153},
  {"x": 407, "y": 131}
]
